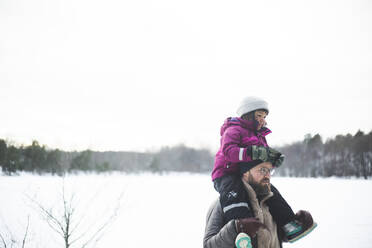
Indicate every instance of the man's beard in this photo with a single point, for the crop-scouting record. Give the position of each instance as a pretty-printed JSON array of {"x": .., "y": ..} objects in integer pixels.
[{"x": 262, "y": 187}]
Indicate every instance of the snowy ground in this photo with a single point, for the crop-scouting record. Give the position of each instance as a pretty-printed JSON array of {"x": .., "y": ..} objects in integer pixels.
[{"x": 169, "y": 210}]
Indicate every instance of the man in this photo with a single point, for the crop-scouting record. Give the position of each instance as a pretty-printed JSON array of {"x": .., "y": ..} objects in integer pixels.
[{"x": 262, "y": 229}]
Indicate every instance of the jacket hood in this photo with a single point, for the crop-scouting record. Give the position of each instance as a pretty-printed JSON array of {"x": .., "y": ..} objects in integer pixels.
[{"x": 247, "y": 124}]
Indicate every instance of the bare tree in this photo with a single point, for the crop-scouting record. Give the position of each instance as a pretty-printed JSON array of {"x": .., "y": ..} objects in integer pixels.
[
  {"x": 67, "y": 223},
  {"x": 9, "y": 241}
]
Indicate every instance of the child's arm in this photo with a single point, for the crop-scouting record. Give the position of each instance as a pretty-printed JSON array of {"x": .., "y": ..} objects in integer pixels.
[
  {"x": 232, "y": 147},
  {"x": 234, "y": 151}
]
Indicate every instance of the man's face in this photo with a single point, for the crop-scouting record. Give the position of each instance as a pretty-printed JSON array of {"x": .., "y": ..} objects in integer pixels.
[{"x": 259, "y": 178}]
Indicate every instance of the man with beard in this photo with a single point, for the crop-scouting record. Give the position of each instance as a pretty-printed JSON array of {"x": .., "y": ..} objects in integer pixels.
[{"x": 261, "y": 229}]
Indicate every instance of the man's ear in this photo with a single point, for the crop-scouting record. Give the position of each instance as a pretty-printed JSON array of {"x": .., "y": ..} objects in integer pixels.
[{"x": 246, "y": 176}]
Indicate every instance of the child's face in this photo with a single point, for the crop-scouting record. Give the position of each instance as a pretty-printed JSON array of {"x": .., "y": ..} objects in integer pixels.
[{"x": 260, "y": 116}]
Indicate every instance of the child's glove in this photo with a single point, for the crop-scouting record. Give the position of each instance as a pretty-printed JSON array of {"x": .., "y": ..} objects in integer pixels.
[
  {"x": 279, "y": 161},
  {"x": 305, "y": 218},
  {"x": 275, "y": 157},
  {"x": 266, "y": 154},
  {"x": 249, "y": 226},
  {"x": 260, "y": 152}
]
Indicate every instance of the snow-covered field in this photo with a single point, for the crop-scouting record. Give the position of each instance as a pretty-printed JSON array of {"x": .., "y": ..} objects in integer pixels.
[{"x": 169, "y": 210}]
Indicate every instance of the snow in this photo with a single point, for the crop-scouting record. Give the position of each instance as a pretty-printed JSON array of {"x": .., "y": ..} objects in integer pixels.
[{"x": 169, "y": 210}]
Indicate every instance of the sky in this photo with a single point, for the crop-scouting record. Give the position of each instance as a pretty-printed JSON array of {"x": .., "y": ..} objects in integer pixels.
[{"x": 144, "y": 74}]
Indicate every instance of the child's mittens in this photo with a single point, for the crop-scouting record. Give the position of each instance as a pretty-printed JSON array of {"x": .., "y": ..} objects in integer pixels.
[
  {"x": 275, "y": 157},
  {"x": 260, "y": 153},
  {"x": 305, "y": 218},
  {"x": 266, "y": 154}
]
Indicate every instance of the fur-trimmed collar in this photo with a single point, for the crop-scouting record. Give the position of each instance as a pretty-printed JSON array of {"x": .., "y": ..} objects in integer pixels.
[{"x": 266, "y": 238}]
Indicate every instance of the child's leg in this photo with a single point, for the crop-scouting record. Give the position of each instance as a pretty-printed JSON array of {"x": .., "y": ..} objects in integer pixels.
[
  {"x": 285, "y": 218},
  {"x": 281, "y": 212},
  {"x": 233, "y": 197}
]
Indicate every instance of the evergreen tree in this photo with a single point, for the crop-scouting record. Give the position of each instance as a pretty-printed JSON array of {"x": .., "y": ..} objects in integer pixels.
[
  {"x": 13, "y": 161},
  {"x": 53, "y": 162},
  {"x": 82, "y": 161},
  {"x": 35, "y": 157},
  {"x": 3, "y": 151}
]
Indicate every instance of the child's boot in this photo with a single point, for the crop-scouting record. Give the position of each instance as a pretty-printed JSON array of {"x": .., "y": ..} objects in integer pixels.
[
  {"x": 243, "y": 241},
  {"x": 294, "y": 230}
]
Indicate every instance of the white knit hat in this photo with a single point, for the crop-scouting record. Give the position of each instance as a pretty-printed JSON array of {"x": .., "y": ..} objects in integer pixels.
[{"x": 251, "y": 103}]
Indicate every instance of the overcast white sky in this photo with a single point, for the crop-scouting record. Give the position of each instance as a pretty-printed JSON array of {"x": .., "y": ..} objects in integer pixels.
[{"x": 141, "y": 74}]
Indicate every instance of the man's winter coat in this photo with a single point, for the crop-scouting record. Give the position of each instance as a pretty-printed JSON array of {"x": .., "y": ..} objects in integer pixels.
[
  {"x": 221, "y": 235},
  {"x": 237, "y": 135}
]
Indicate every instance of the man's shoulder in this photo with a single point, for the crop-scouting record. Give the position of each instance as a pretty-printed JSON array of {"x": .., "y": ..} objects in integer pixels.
[
  {"x": 215, "y": 206},
  {"x": 218, "y": 233},
  {"x": 215, "y": 211}
]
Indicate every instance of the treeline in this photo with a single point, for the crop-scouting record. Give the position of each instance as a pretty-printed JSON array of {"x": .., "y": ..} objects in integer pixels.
[
  {"x": 343, "y": 156},
  {"x": 38, "y": 158}
]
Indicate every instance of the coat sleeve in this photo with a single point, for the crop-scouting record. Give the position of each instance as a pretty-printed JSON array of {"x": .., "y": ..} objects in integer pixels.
[
  {"x": 232, "y": 148},
  {"x": 216, "y": 234}
]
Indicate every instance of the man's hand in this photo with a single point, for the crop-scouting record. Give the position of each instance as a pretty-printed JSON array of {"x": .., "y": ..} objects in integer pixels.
[
  {"x": 305, "y": 218},
  {"x": 249, "y": 226}
]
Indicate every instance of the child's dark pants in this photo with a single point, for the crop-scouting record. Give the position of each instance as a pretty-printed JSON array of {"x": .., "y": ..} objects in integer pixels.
[
  {"x": 233, "y": 197},
  {"x": 279, "y": 209},
  {"x": 235, "y": 203}
]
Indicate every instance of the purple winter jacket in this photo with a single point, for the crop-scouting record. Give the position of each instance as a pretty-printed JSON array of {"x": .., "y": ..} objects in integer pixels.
[{"x": 236, "y": 135}]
